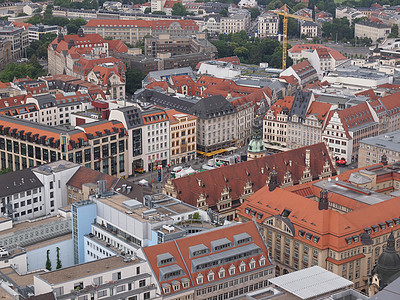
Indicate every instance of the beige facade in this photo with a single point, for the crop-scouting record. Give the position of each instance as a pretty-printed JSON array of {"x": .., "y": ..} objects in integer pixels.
[
  {"x": 309, "y": 29},
  {"x": 235, "y": 22},
  {"x": 372, "y": 149},
  {"x": 268, "y": 25},
  {"x": 371, "y": 30},
  {"x": 19, "y": 40},
  {"x": 129, "y": 34},
  {"x": 182, "y": 130}
]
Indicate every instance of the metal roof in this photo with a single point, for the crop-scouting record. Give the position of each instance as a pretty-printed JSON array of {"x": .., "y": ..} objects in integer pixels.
[{"x": 310, "y": 282}]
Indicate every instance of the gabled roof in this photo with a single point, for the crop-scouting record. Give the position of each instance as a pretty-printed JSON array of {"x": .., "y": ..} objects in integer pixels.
[
  {"x": 319, "y": 109},
  {"x": 181, "y": 251},
  {"x": 18, "y": 181},
  {"x": 336, "y": 55},
  {"x": 304, "y": 69},
  {"x": 211, "y": 183},
  {"x": 277, "y": 107}
]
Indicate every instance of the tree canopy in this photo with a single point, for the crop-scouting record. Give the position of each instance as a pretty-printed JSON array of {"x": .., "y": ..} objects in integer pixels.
[
  {"x": 179, "y": 9},
  {"x": 251, "y": 50},
  {"x": 134, "y": 79},
  {"x": 31, "y": 68}
]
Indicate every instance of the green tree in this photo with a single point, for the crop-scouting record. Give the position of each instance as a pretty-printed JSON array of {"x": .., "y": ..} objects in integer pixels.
[
  {"x": 223, "y": 12},
  {"x": 179, "y": 9},
  {"x": 147, "y": 10},
  {"x": 59, "y": 264},
  {"x": 395, "y": 31},
  {"x": 134, "y": 79},
  {"x": 196, "y": 216},
  {"x": 48, "y": 261},
  {"x": 158, "y": 12},
  {"x": 5, "y": 171},
  {"x": 255, "y": 12},
  {"x": 31, "y": 68}
]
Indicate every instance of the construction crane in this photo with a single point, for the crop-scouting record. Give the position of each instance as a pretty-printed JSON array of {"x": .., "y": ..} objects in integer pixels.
[{"x": 286, "y": 15}]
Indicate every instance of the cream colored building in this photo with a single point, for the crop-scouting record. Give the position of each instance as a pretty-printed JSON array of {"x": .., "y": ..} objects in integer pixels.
[
  {"x": 372, "y": 149},
  {"x": 268, "y": 25},
  {"x": 182, "y": 137},
  {"x": 371, "y": 30},
  {"x": 236, "y": 21},
  {"x": 275, "y": 122},
  {"x": 309, "y": 29}
]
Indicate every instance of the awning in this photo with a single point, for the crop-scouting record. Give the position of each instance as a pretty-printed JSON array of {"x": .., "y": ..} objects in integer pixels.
[
  {"x": 216, "y": 152},
  {"x": 231, "y": 149},
  {"x": 200, "y": 152}
]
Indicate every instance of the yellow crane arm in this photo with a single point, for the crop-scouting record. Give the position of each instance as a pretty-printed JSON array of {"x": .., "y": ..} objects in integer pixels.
[{"x": 286, "y": 15}]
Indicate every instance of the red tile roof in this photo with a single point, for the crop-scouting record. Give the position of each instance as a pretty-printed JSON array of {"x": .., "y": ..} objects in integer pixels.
[
  {"x": 163, "y": 84},
  {"x": 179, "y": 249},
  {"x": 277, "y": 107},
  {"x": 319, "y": 109},
  {"x": 211, "y": 183},
  {"x": 159, "y": 24},
  {"x": 117, "y": 46},
  {"x": 104, "y": 73},
  {"x": 304, "y": 69},
  {"x": 336, "y": 55},
  {"x": 368, "y": 93},
  {"x": 22, "y": 25},
  {"x": 14, "y": 101},
  {"x": 153, "y": 118},
  {"x": 330, "y": 226},
  {"x": 172, "y": 116}
]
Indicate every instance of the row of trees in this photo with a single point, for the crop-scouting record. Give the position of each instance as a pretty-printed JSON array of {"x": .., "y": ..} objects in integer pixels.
[
  {"x": 31, "y": 68},
  {"x": 251, "y": 50}
]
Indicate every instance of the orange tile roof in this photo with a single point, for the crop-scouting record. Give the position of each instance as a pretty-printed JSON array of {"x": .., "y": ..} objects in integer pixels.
[
  {"x": 13, "y": 101},
  {"x": 277, "y": 107},
  {"x": 22, "y": 24},
  {"x": 152, "y": 118},
  {"x": 368, "y": 93},
  {"x": 319, "y": 109},
  {"x": 163, "y": 84},
  {"x": 185, "y": 24},
  {"x": 330, "y": 226},
  {"x": 105, "y": 73},
  {"x": 173, "y": 120},
  {"x": 336, "y": 55},
  {"x": 179, "y": 249}
]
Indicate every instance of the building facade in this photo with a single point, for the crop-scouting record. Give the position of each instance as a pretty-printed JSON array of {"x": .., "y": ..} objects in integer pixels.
[
  {"x": 268, "y": 25},
  {"x": 98, "y": 145},
  {"x": 372, "y": 30},
  {"x": 182, "y": 137}
]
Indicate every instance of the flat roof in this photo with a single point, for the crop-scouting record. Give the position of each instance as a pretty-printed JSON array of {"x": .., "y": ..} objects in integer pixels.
[
  {"x": 86, "y": 269},
  {"x": 351, "y": 191},
  {"x": 311, "y": 282},
  {"x": 388, "y": 141},
  {"x": 54, "y": 167},
  {"x": 31, "y": 223},
  {"x": 19, "y": 280},
  {"x": 49, "y": 242}
]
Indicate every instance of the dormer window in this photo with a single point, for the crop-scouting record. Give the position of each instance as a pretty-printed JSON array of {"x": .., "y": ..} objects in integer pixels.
[
  {"x": 242, "y": 267},
  {"x": 301, "y": 233},
  {"x": 232, "y": 270},
  {"x": 167, "y": 288},
  {"x": 261, "y": 261},
  {"x": 349, "y": 240},
  {"x": 221, "y": 273},
  {"x": 210, "y": 276},
  {"x": 199, "y": 279},
  {"x": 252, "y": 264}
]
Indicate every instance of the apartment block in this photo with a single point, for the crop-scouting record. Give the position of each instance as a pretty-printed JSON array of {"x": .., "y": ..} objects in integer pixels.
[
  {"x": 321, "y": 211},
  {"x": 132, "y": 31},
  {"x": 238, "y": 20},
  {"x": 99, "y": 145},
  {"x": 225, "y": 262},
  {"x": 378, "y": 148},
  {"x": 114, "y": 276},
  {"x": 36, "y": 31},
  {"x": 182, "y": 137},
  {"x": 268, "y": 25},
  {"x": 17, "y": 36},
  {"x": 344, "y": 129},
  {"x": 372, "y": 30},
  {"x": 308, "y": 29}
]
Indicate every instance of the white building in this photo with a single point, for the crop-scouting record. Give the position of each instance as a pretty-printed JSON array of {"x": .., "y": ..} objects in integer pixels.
[
  {"x": 308, "y": 29},
  {"x": 36, "y": 31},
  {"x": 116, "y": 276},
  {"x": 372, "y": 30},
  {"x": 155, "y": 139},
  {"x": 268, "y": 25},
  {"x": 220, "y": 69}
]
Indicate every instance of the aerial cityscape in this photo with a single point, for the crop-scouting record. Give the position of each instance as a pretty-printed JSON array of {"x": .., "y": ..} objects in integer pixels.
[{"x": 208, "y": 149}]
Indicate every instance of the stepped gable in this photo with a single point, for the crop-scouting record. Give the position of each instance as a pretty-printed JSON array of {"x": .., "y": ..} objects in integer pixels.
[{"x": 234, "y": 177}]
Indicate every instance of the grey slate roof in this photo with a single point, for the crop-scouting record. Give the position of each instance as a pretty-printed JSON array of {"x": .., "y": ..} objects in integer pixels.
[
  {"x": 165, "y": 101},
  {"x": 389, "y": 141},
  {"x": 18, "y": 181},
  {"x": 132, "y": 115},
  {"x": 212, "y": 107},
  {"x": 300, "y": 104}
]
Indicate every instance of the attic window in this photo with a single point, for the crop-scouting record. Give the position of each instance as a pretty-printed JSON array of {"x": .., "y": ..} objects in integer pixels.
[
  {"x": 253, "y": 213},
  {"x": 247, "y": 210},
  {"x": 315, "y": 239},
  {"x": 396, "y": 221},
  {"x": 308, "y": 236},
  {"x": 355, "y": 238},
  {"x": 389, "y": 223},
  {"x": 375, "y": 228},
  {"x": 285, "y": 213},
  {"x": 349, "y": 240},
  {"x": 301, "y": 233},
  {"x": 382, "y": 226},
  {"x": 367, "y": 230},
  {"x": 259, "y": 216}
]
